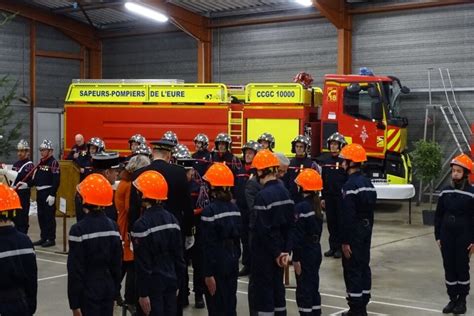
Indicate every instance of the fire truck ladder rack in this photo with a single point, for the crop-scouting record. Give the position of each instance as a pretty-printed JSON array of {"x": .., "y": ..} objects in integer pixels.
[{"x": 236, "y": 128}]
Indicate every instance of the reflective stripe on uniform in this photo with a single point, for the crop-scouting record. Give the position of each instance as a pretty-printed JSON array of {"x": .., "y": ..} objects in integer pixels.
[
  {"x": 280, "y": 309},
  {"x": 307, "y": 214},
  {"x": 305, "y": 310},
  {"x": 94, "y": 235},
  {"x": 357, "y": 191},
  {"x": 269, "y": 206},
  {"x": 155, "y": 229},
  {"x": 355, "y": 294},
  {"x": 458, "y": 282},
  {"x": 219, "y": 216},
  {"x": 17, "y": 252},
  {"x": 317, "y": 307},
  {"x": 457, "y": 191}
]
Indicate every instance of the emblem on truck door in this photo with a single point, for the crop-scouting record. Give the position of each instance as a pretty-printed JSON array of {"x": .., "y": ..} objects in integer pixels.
[{"x": 363, "y": 134}]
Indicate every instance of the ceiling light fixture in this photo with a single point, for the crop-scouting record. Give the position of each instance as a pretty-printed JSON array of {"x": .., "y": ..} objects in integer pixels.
[
  {"x": 146, "y": 12},
  {"x": 304, "y": 3}
]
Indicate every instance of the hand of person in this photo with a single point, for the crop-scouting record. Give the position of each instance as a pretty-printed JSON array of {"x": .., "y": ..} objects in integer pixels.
[
  {"x": 50, "y": 200},
  {"x": 323, "y": 204},
  {"x": 346, "y": 250},
  {"x": 297, "y": 266},
  {"x": 21, "y": 185},
  {"x": 145, "y": 304},
  {"x": 75, "y": 155},
  {"x": 76, "y": 312},
  {"x": 82, "y": 170},
  {"x": 189, "y": 242},
  {"x": 211, "y": 285},
  {"x": 282, "y": 259},
  {"x": 471, "y": 250},
  {"x": 439, "y": 244}
]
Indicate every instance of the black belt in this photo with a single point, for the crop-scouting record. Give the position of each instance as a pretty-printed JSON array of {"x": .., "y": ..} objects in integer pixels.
[
  {"x": 312, "y": 239},
  {"x": 12, "y": 294}
]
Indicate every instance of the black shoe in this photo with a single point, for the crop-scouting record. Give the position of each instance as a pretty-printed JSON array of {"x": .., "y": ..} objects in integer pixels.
[
  {"x": 448, "y": 309},
  {"x": 199, "y": 302},
  {"x": 185, "y": 301},
  {"x": 329, "y": 253},
  {"x": 48, "y": 243},
  {"x": 244, "y": 271},
  {"x": 120, "y": 301},
  {"x": 39, "y": 242},
  {"x": 337, "y": 254},
  {"x": 460, "y": 307}
]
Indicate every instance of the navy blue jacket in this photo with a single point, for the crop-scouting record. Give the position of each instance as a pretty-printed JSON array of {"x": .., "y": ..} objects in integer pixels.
[
  {"x": 84, "y": 161},
  {"x": 47, "y": 173},
  {"x": 296, "y": 165},
  {"x": 241, "y": 178},
  {"x": 458, "y": 203},
  {"x": 334, "y": 176},
  {"x": 82, "y": 150},
  {"x": 230, "y": 160},
  {"x": 158, "y": 252},
  {"x": 203, "y": 161},
  {"x": 94, "y": 261},
  {"x": 308, "y": 227},
  {"x": 220, "y": 229},
  {"x": 359, "y": 197},
  {"x": 275, "y": 219},
  {"x": 18, "y": 264},
  {"x": 23, "y": 167}
]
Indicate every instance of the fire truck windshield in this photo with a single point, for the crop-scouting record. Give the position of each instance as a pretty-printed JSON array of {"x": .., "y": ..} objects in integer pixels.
[{"x": 392, "y": 94}]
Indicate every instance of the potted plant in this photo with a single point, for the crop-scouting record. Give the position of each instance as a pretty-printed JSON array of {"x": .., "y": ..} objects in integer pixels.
[{"x": 426, "y": 160}]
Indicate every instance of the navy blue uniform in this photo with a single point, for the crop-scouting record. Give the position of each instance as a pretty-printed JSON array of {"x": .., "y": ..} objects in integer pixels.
[
  {"x": 77, "y": 150},
  {"x": 94, "y": 264},
  {"x": 296, "y": 165},
  {"x": 23, "y": 167},
  {"x": 273, "y": 229},
  {"x": 203, "y": 161},
  {"x": 334, "y": 177},
  {"x": 196, "y": 250},
  {"x": 307, "y": 251},
  {"x": 220, "y": 225},
  {"x": 46, "y": 180},
  {"x": 241, "y": 179},
  {"x": 159, "y": 262},
  {"x": 454, "y": 226},
  {"x": 18, "y": 284},
  {"x": 84, "y": 161},
  {"x": 359, "y": 199},
  {"x": 229, "y": 159}
]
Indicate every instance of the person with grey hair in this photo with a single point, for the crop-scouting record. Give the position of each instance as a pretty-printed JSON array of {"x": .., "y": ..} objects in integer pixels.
[
  {"x": 79, "y": 149},
  {"x": 122, "y": 204}
]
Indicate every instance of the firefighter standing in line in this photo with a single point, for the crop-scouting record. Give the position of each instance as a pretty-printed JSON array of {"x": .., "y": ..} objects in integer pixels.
[
  {"x": 454, "y": 233},
  {"x": 202, "y": 154},
  {"x": 307, "y": 249},
  {"x": 249, "y": 150},
  {"x": 18, "y": 284},
  {"x": 267, "y": 141},
  {"x": 20, "y": 179},
  {"x": 334, "y": 178},
  {"x": 300, "y": 146},
  {"x": 46, "y": 179},
  {"x": 220, "y": 225},
  {"x": 359, "y": 197},
  {"x": 222, "y": 152},
  {"x": 156, "y": 236},
  {"x": 95, "y": 252},
  {"x": 271, "y": 245}
]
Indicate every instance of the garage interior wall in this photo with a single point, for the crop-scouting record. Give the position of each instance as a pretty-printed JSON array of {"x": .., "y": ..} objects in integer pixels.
[{"x": 406, "y": 43}]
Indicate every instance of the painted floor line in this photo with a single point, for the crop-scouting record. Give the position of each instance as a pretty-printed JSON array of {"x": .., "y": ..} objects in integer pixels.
[
  {"x": 51, "y": 253},
  {"x": 52, "y": 261},
  {"x": 53, "y": 277}
]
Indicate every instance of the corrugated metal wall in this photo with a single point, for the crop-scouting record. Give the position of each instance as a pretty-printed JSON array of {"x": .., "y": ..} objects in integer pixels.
[
  {"x": 407, "y": 43},
  {"x": 158, "y": 56},
  {"x": 274, "y": 52}
]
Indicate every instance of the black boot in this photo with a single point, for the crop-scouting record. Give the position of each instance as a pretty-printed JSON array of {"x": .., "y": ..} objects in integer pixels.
[
  {"x": 199, "y": 301},
  {"x": 460, "y": 307},
  {"x": 337, "y": 254},
  {"x": 329, "y": 253},
  {"x": 39, "y": 242},
  {"x": 448, "y": 309}
]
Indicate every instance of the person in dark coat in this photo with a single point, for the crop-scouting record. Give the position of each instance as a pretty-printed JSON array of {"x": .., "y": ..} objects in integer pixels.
[
  {"x": 156, "y": 237},
  {"x": 306, "y": 247},
  {"x": 18, "y": 284},
  {"x": 95, "y": 252},
  {"x": 359, "y": 197},
  {"x": 454, "y": 233},
  {"x": 202, "y": 155},
  {"x": 221, "y": 227},
  {"x": 79, "y": 148},
  {"x": 179, "y": 201},
  {"x": 223, "y": 152}
]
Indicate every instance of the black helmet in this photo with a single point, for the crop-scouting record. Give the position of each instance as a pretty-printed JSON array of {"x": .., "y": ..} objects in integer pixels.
[
  {"x": 203, "y": 139},
  {"x": 269, "y": 138},
  {"x": 336, "y": 137},
  {"x": 223, "y": 138},
  {"x": 301, "y": 139},
  {"x": 137, "y": 138},
  {"x": 171, "y": 136},
  {"x": 253, "y": 145},
  {"x": 97, "y": 142}
]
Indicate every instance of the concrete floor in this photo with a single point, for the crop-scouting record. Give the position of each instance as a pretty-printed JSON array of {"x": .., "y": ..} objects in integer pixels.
[{"x": 408, "y": 277}]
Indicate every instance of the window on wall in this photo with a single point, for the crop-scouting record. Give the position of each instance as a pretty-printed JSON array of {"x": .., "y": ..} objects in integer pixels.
[{"x": 363, "y": 104}]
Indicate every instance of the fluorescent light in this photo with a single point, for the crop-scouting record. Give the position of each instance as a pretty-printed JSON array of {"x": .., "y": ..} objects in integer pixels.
[
  {"x": 146, "y": 12},
  {"x": 304, "y": 3}
]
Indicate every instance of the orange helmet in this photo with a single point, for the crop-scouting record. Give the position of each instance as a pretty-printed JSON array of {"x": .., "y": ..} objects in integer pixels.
[
  {"x": 95, "y": 189},
  {"x": 353, "y": 152},
  {"x": 464, "y": 161},
  {"x": 219, "y": 175},
  {"x": 9, "y": 199},
  {"x": 265, "y": 159},
  {"x": 152, "y": 185},
  {"x": 310, "y": 180}
]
